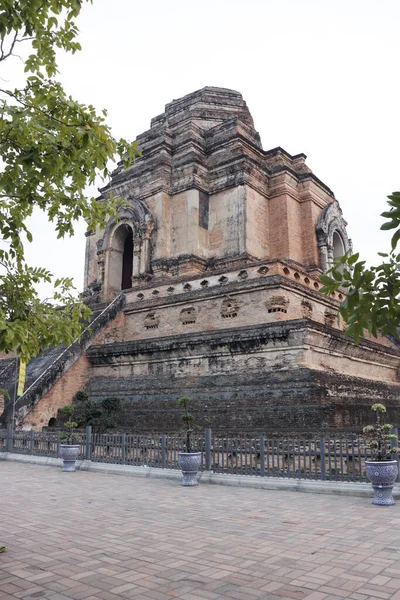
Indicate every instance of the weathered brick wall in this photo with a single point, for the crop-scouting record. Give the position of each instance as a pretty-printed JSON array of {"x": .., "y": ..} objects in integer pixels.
[
  {"x": 115, "y": 332},
  {"x": 252, "y": 369},
  {"x": 288, "y": 376},
  {"x": 278, "y": 234},
  {"x": 257, "y": 223},
  {"x": 309, "y": 218},
  {"x": 253, "y": 298},
  {"x": 60, "y": 394},
  {"x": 227, "y": 222},
  {"x": 54, "y": 385},
  {"x": 301, "y": 400}
]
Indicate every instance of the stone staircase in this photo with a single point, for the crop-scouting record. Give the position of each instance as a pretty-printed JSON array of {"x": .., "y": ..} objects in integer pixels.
[{"x": 43, "y": 371}]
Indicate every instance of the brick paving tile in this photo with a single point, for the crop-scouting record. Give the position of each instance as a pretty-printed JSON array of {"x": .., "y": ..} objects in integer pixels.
[
  {"x": 198, "y": 596},
  {"x": 378, "y": 594},
  {"x": 89, "y": 536},
  {"x": 340, "y": 593},
  {"x": 55, "y": 586},
  {"x": 57, "y": 596},
  {"x": 35, "y": 592}
]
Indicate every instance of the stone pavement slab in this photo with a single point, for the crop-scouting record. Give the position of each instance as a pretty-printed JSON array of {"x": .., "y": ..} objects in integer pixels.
[{"x": 94, "y": 536}]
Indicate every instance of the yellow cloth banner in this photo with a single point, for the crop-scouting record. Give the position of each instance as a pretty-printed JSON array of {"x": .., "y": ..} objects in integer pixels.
[{"x": 21, "y": 380}]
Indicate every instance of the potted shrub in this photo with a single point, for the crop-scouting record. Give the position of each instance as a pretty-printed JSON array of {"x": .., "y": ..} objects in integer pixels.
[
  {"x": 382, "y": 470},
  {"x": 188, "y": 461},
  {"x": 69, "y": 450}
]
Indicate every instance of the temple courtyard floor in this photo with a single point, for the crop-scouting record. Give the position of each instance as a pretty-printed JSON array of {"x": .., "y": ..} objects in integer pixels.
[{"x": 88, "y": 536}]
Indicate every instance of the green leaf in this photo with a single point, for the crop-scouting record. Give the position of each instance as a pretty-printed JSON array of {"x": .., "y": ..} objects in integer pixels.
[
  {"x": 353, "y": 259},
  {"x": 326, "y": 280},
  {"x": 85, "y": 140},
  {"x": 395, "y": 239},
  {"x": 389, "y": 225},
  {"x": 337, "y": 275}
]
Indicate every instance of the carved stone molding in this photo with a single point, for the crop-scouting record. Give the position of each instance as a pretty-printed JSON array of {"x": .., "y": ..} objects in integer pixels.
[{"x": 137, "y": 215}]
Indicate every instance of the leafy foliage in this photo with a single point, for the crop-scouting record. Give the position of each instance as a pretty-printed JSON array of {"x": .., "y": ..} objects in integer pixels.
[
  {"x": 111, "y": 405},
  {"x": 372, "y": 302},
  {"x": 81, "y": 396},
  {"x": 379, "y": 437},
  {"x": 69, "y": 436},
  {"x": 101, "y": 416},
  {"x": 31, "y": 324},
  {"x": 51, "y": 148},
  {"x": 188, "y": 420},
  {"x": 86, "y": 411}
]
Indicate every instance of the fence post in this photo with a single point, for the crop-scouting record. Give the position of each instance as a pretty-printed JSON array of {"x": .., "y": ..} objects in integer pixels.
[
  {"x": 58, "y": 444},
  {"x": 262, "y": 455},
  {"x": 322, "y": 458},
  {"x": 88, "y": 443},
  {"x": 32, "y": 442},
  {"x": 123, "y": 436},
  {"x": 9, "y": 439},
  {"x": 393, "y": 444},
  {"x": 207, "y": 435},
  {"x": 163, "y": 450}
]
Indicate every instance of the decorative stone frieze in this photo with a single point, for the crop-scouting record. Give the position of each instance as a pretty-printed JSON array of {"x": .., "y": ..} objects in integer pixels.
[
  {"x": 230, "y": 308},
  {"x": 330, "y": 318},
  {"x": 306, "y": 309},
  {"x": 151, "y": 321},
  {"x": 277, "y": 304},
  {"x": 188, "y": 315}
]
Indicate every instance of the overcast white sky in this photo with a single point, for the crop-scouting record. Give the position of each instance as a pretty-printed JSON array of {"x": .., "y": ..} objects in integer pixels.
[{"x": 319, "y": 76}]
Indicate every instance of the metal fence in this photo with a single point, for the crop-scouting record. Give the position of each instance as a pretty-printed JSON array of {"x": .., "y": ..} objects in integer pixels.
[{"x": 333, "y": 457}]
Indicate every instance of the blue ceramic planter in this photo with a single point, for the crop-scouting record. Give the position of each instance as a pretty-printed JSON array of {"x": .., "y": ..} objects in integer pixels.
[
  {"x": 190, "y": 464},
  {"x": 69, "y": 453},
  {"x": 382, "y": 475}
]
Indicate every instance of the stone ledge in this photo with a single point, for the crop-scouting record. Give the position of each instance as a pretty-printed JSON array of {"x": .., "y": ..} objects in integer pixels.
[
  {"x": 262, "y": 333},
  {"x": 266, "y": 483}
]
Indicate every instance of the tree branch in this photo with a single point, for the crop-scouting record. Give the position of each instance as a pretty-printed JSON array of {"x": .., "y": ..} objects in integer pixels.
[
  {"x": 16, "y": 40},
  {"x": 4, "y": 54}
]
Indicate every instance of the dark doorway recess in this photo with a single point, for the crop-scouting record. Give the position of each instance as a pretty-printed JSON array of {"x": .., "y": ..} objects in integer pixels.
[{"x": 127, "y": 261}]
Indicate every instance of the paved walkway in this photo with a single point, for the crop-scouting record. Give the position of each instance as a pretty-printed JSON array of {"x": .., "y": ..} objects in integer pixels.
[{"x": 91, "y": 536}]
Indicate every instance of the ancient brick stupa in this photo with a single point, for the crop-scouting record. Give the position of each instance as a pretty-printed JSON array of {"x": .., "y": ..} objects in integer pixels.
[{"x": 218, "y": 253}]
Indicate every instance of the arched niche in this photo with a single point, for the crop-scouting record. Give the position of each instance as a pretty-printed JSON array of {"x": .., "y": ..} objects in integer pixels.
[
  {"x": 121, "y": 258},
  {"x": 333, "y": 241},
  {"x": 337, "y": 246},
  {"x": 124, "y": 250}
]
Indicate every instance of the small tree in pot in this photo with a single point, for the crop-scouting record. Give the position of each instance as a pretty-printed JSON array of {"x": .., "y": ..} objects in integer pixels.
[
  {"x": 382, "y": 470},
  {"x": 69, "y": 450},
  {"x": 188, "y": 461}
]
